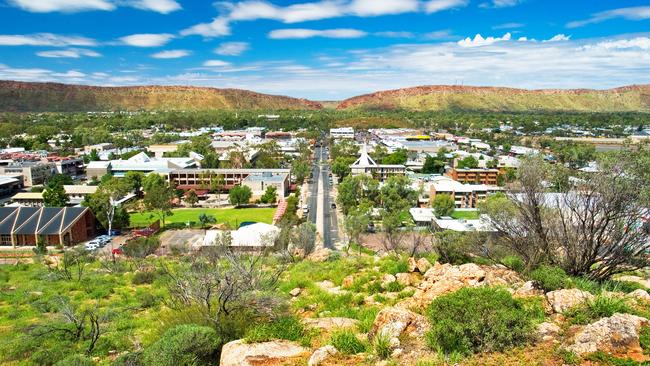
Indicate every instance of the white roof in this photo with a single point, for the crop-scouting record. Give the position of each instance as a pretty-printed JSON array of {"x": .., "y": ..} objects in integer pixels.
[
  {"x": 481, "y": 224},
  {"x": 98, "y": 164},
  {"x": 254, "y": 235},
  {"x": 364, "y": 159},
  {"x": 421, "y": 214}
]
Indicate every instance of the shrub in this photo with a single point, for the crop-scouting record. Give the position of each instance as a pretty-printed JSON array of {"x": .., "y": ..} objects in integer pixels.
[
  {"x": 347, "y": 342},
  {"x": 644, "y": 339},
  {"x": 393, "y": 265},
  {"x": 550, "y": 278},
  {"x": 601, "y": 307},
  {"x": 394, "y": 287},
  {"x": 478, "y": 320},
  {"x": 285, "y": 327},
  {"x": 75, "y": 360},
  {"x": 184, "y": 345},
  {"x": 382, "y": 346},
  {"x": 129, "y": 359},
  {"x": 142, "y": 277},
  {"x": 514, "y": 262}
]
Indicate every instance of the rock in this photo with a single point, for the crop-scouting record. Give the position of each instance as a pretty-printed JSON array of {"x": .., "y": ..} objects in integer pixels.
[
  {"x": 618, "y": 333},
  {"x": 396, "y": 352},
  {"x": 563, "y": 300},
  {"x": 387, "y": 279},
  {"x": 547, "y": 331},
  {"x": 295, "y": 292},
  {"x": 613, "y": 294},
  {"x": 423, "y": 265},
  {"x": 392, "y": 322},
  {"x": 347, "y": 282},
  {"x": 321, "y": 355},
  {"x": 403, "y": 279},
  {"x": 639, "y": 294},
  {"x": 412, "y": 264},
  {"x": 330, "y": 287},
  {"x": 320, "y": 255},
  {"x": 238, "y": 353},
  {"x": 330, "y": 323},
  {"x": 528, "y": 289}
]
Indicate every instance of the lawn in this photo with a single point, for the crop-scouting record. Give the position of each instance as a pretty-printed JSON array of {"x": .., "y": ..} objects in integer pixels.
[
  {"x": 231, "y": 216},
  {"x": 466, "y": 215}
]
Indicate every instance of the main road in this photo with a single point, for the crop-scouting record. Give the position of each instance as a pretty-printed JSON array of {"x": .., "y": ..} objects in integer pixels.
[{"x": 320, "y": 203}]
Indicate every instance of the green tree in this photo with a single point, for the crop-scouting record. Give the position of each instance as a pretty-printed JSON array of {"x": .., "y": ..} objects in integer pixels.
[
  {"x": 443, "y": 205},
  {"x": 341, "y": 166},
  {"x": 432, "y": 165},
  {"x": 270, "y": 195},
  {"x": 205, "y": 219},
  {"x": 94, "y": 155},
  {"x": 240, "y": 195},
  {"x": 54, "y": 194},
  {"x": 300, "y": 169},
  {"x": 191, "y": 198},
  {"x": 354, "y": 190},
  {"x": 134, "y": 180},
  {"x": 103, "y": 203},
  {"x": 158, "y": 196},
  {"x": 468, "y": 162}
]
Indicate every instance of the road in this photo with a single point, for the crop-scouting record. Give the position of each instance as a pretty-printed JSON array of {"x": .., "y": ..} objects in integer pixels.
[{"x": 320, "y": 200}]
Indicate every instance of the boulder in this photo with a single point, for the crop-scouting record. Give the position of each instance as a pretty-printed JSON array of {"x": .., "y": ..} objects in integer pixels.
[
  {"x": 565, "y": 299},
  {"x": 528, "y": 289},
  {"x": 330, "y": 323},
  {"x": 547, "y": 331},
  {"x": 403, "y": 279},
  {"x": 423, "y": 265},
  {"x": 295, "y": 292},
  {"x": 347, "y": 281},
  {"x": 392, "y": 322},
  {"x": 617, "y": 334},
  {"x": 320, "y": 255},
  {"x": 636, "y": 279},
  {"x": 321, "y": 355},
  {"x": 639, "y": 294},
  {"x": 412, "y": 264},
  {"x": 387, "y": 279},
  {"x": 280, "y": 352},
  {"x": 330, "y": 287}
]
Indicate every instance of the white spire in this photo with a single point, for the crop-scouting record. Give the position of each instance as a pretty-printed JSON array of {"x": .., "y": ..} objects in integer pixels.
[{"x": 364, "y": 159}]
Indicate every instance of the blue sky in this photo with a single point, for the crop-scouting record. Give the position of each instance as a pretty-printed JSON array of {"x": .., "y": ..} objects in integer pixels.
[{"x": 330, "y": 49}]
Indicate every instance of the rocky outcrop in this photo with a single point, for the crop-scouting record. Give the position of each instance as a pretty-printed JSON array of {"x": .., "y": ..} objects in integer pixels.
[
  {"x": 393, "y": 322},
  {"x": 387, "y": 279},
  {"x": 238, "y": 353},
  {"x": 547, "y": 331},
  {"x": 330, "y": 287},
  {"x": 617, "y": 334},
  {"x": 441, "y": 279},
  {"x": 636, "y": 279},
  {"x": 423, "y": 265},
  {"x": 639, "y": 294},
  {"x": 330, "y": 323},
  {"x": 321, "y": 354},
  {"x": 295, "y": 292},
  {"x": 565, "y": 299}
]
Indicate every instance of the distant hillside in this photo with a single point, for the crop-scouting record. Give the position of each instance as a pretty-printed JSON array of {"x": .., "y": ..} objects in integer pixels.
[
  {"x": 51, "y": 97},
  {"x": 437, "y": 98}
]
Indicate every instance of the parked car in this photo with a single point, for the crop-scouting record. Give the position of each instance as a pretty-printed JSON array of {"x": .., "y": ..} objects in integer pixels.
[
  {"x": 333, "y": 205},
  {"x": 118, "y": 251},
  {"x": 305, "y": 209},
  {"x": 371, "y": 227},
  {"x": 91, "y": 245}
]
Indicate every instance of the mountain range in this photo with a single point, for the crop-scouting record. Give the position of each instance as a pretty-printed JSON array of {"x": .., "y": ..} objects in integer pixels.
[{"x": 18, "y": 96}]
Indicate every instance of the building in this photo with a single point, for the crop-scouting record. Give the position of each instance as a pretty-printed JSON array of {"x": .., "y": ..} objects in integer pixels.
[
  {"x": 342, "y": 133},
  {"x": 140, "y": 163},
  {"x": 160, "y": 150},
  {"x": 34, "y": 172},
  {"x": 464, "y": 195},
  {"x": 479, "y": 175},
  {"x": 99, "y": 147},
  {"x": 255, "y": 237},
  {"x": 422, "y": 216},
  {"x": 20, "y": 226},
  {"x": 366, "y": 165},
  {"x": 76, "y": 195},
  {"x": 257, "y": 179},
  {"x": 9, "y": 185},
  {"x": 72, "y": 167},
  {"x": 447, "y": 223}
]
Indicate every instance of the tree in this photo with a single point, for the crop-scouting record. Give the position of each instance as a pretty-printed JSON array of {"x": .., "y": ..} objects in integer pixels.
[
  {"x": 398, "y": 157},
  {"x": 594, "y": 231},
  {"x": 186, "y": 344},
  {"x": 356, "y": 223},
  {"x": 206, "y": 219},
  {"x": 240, "y": 195},
  {"x": 134, "y": 180},
  {"x": 270, "y": 195},
  {"x": 443, "y": 205},
  {"x": 158, "y": 196},
  {"x": 217, "y": 182},
  {"x": 354, "y": 190},
  {"x": 54, "y": 195},
  {"x": 104, "y": 203},
  {"x": 341, "y": 166},
  {"x": 299, "y": 241},
  {"x": 433, "y": 165},
  {"x": 94, "y": 156},
  {"x": 300, "y": 169},
  {"x": 191, "y": 198},
  {"x": 469, "y": 162}
]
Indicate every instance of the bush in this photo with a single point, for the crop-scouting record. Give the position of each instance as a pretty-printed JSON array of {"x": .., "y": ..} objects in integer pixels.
[
  {"x": 75, "y": 360},
  {"x": 347, "y": 342},
  {"x": 129, "y": 359},
  {"x": 478, "y": 320},
  {"x": 601, "y": 307},
  {"x": 514, "y": 263},
  {"x": 644, "y": 339},
  {"x": 286, "y": 327},
  {"x": 184, "y": 345},
  {"x": 550, "y": 278},
  {"x": 143, "y": 277}
]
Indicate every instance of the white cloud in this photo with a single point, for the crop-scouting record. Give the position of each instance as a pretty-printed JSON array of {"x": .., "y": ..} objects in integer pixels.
[
  {"x": 558, "y": 38},
  {"x": 479, "y": 41},
  {"x": 632, "y": 13},
  {"x": 434, "y": 6},
  {"x": 382, "y": 7},
  {"x": 642, "y": 43},
  {"x": 69, "y": 53},
  {"x": 160, "y": 6},
  {"x": 171, "y": 54},
  {"x": 64, "y": 6},
  {"x": 232, "y": 48},
  {"x": 393, "y": 34},
  {"x": 219, "y": 27},
  {"x": 509, "y": 25},
  {"x": 45, "y": 39},
  {"x": 299, "y": 33},
  {"x": 500, "y": 3},
  {"x": 147, "y": 40},
  {"x": 440, "y": 34},
  {"x": 216, "y": 63}
]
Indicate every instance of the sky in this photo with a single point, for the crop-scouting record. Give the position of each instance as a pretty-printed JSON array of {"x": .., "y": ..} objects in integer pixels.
[{"x": 329, "y": 49}]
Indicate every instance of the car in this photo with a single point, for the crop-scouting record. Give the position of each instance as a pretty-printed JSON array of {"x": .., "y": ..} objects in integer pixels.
[
  {"x": 118, "y": 251},
  {"x": 371, "y": 227},
  {"x": 333, "y": 205},
  {"x": 103, "y": 238},
  {"x": 90, "y": 246},
  {"x": 305, "y": 209}
]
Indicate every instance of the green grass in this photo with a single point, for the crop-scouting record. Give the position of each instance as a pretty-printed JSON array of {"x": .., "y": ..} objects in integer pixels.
[
  {"x": 231, "y": 216},
  {"x": 465, "y": 215},
  {"x": 347, "y": 342}
]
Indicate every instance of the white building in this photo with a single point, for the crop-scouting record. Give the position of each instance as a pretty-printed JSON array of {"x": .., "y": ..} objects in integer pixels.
[
  {"x": 342, "y": 133},
  {"x": 366, "y": 165}
]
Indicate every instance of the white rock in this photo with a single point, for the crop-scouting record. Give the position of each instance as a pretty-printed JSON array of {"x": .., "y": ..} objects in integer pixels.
[
  {"x": 617, "y": 333},
  {"x": 238, "y": 353},
  {"x": 321, "y": 355},
  {"x": 565, "y": 299}
]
